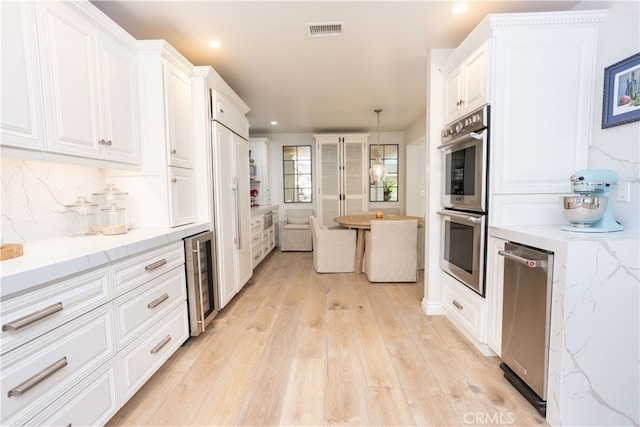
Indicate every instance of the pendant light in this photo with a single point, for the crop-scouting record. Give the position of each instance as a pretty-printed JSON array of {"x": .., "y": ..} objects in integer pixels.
[{"x": 378, "y": 171}]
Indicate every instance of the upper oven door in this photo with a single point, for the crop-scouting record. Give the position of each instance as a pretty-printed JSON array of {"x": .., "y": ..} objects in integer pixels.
[
  {"x": 462, "y": 250},
  {"x": 464, "y": 172}
]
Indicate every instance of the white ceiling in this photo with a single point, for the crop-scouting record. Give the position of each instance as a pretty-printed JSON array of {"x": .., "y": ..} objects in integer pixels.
[{"x": 319, "y": 84}]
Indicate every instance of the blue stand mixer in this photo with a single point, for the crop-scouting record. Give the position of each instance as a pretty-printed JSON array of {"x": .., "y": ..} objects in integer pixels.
[{"x": 590, "y": 210}]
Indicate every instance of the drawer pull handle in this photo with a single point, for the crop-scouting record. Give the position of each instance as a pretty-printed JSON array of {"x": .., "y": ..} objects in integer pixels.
[
  {"x": 156, "y": 302},
  {"x": 156, "y": 265},
  {"x": 457, "y": 304},
  {"x": 38, "y": 378},
  {"x": 161, "y": 344},
  {"x": 32, "y": 318}
]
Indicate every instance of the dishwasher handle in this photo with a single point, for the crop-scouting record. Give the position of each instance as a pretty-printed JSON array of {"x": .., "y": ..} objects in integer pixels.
[{"x": 532, "y": 263}]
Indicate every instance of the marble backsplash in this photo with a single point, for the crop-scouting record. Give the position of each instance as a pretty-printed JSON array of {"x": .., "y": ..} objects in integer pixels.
[{"x": 34, "y": 195}]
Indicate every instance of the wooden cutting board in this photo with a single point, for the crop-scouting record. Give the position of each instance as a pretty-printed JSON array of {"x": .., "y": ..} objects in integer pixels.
[{"x": 10, "y": 250}]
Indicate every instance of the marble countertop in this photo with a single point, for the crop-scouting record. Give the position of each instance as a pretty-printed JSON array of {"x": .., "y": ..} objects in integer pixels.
[
  {"x": 48, "y": 260},
  {"x": 262, "y": 209},
  {"x": 553, "y": 238}
]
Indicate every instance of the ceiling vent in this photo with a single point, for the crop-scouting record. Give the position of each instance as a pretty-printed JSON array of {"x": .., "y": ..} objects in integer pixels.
[{"x": 325, "y": 29}]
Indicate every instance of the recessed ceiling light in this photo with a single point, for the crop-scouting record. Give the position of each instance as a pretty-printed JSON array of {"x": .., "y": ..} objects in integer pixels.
[
  {"x": 459, "y": 8},
  {"x": 214, "y": 44},
  {"x": 273, "y": 123}
]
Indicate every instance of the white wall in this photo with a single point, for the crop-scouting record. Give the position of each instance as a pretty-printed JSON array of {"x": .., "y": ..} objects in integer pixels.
[
  {"x": 278, "y": 140},
  {"x": 618, "y": 148}
]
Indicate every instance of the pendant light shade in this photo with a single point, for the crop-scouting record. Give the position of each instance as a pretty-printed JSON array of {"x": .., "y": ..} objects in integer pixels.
[{"x": 378, "y": 172}]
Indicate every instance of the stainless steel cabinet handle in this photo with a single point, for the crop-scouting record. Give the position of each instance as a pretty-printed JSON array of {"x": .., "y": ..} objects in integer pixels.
[
  {"x": 109, "y": 143},
  {"x": 156, "y": 265},
  {"x": 38, "y": 378},
  {"x": 32, "y": 318},
  {"x": 156, "y": 302},
  {"x": 174, "y": 179},
  {"x": 102, "y": 142},
  {"x": 161, "y": 344},
  {"x": 528, "y": 262},
  {"x": 200, "y": 294},
  {"x": 457, "y": 304},
  {"x": 173, "y": 151}
]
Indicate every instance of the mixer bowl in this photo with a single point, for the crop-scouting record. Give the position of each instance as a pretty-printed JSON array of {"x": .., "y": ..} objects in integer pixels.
[{"x": 582, "y": 211}]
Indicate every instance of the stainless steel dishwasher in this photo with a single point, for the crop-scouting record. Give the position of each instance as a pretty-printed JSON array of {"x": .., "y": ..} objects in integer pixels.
[{"x": 526, "y": 313}]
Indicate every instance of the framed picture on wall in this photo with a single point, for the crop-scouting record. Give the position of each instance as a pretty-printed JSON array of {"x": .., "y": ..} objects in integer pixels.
[{"x": 621, "y": 95}]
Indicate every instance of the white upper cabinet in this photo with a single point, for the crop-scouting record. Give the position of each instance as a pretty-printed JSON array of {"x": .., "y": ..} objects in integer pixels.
[
  {"x": 179, "y": 117},
  {"x": 68, "y": 83},
  {"x": 466, "y": 84},
  {"x": 22, "y": 118}
]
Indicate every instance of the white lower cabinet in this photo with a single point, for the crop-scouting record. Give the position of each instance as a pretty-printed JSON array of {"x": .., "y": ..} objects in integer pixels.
[
  {"x": 467, "y": 310},
  {"x": 74, "y": 351},
  {"x": 494, "y": 287},
  {"x": 90, "y": 403},
  {"x": 144, "y": 356},
  {"x": 36, "y": 374},
  {"x": 263, "y": 240}
]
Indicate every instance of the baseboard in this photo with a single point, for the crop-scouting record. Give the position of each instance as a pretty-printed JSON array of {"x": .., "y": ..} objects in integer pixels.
[{"x": 431, "y": 308}]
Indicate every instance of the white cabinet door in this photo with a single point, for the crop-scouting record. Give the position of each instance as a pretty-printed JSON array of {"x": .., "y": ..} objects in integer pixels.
[
  {"x": 119, "y": 102},
  {"x": 494, "y": 291},
  {"x": 342, "y": 175},
  {"x": 452, "y": 94},
  {"x": 182, "y": 198},
  {"x": 67, "y": 45},
  {"x": 243, "y": 215},
  {"x": 90, "y": 87},
  {"x": 179, "y": 118},
  {"x": 466, "y": 85},
  {"x": 22, "y": 118}
]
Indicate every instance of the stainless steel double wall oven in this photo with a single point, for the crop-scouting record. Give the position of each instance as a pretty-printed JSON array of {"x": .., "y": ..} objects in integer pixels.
[{"x": 465, "y": 153}]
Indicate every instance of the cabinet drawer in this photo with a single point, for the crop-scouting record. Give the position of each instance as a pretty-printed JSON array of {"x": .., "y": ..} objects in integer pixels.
[
  {"x": 138, "y": 310},
  {"x": 149, "y": 265},
  {"x": 91, "y": 403},
  {"x": 256, "y": 237},
  {"x": 146, "y": 354},
  {"x": 36, "y": 374},
  {"x": 463, "y": 305},
  {"x": 31, "y": 315}
]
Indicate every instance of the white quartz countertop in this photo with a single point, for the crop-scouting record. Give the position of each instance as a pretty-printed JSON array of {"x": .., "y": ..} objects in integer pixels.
[
  {"x": 553, "y": 238},
  {"x": 48, "y": 260},
  {"x": 262, "y": 209}
]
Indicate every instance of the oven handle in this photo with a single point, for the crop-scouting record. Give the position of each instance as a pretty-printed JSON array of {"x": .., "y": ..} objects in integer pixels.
[
  {"x": 471, "y": 135},
  {"x": 476, "y": 219},
  {"x": 531, "y": 263}
]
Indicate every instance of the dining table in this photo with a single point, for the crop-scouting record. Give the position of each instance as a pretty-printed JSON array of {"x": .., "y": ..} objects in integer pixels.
[{"x": 361, "y": 223}]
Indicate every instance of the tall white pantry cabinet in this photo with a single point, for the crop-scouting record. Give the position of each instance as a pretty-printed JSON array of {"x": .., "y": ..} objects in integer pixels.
[{"x": 342, "y": 171}]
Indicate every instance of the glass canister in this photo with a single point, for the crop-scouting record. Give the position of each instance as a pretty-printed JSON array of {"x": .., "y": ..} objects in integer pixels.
[
  {"x": 114, "y": 196},
  {"x": 83, "y": 218},
  {"x": 113, "y": 220}
]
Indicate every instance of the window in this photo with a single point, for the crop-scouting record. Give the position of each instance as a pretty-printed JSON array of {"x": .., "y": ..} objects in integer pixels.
[
  {"x": 387, "y": 189},
  {"x": 296, "y": 167}
]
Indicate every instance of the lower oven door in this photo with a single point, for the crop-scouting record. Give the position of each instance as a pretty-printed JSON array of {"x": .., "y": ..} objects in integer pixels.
[
  {"x": 202, "y": 286},
  {"x": 463, "y": 247}
]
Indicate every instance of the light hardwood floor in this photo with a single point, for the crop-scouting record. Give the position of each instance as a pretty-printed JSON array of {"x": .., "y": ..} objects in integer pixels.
[{"x": 300, "y": 348}]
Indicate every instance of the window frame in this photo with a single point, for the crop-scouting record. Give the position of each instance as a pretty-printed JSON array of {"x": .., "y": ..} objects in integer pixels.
[{"x": 296, "y": 175}]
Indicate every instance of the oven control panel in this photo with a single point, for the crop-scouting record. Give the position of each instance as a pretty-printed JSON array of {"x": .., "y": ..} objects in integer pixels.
[{"x": 473, "y": 122}]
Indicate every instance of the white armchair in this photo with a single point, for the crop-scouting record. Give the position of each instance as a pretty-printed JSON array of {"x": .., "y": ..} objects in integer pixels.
[
  {"x": 295, "y": 233},
  {"x": 391, "y": 253},
  {"x": 334, "y": 250}
]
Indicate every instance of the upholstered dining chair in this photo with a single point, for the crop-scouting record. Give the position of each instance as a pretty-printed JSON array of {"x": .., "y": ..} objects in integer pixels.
[
  {"x": 295, "y": 232},
  {"x": 334, "y": 250},
  {"x": 391, "y": 251}
]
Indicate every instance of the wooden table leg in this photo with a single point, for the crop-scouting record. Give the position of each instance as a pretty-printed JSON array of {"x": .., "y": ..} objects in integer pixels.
[{"x": 359, "y": 251}]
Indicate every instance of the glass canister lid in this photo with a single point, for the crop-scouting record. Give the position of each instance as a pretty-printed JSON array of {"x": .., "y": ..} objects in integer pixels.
[
  {"x": 111, "y": 190},
  {"x": 81, "y": 205}
]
